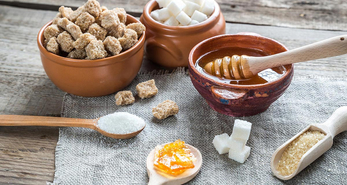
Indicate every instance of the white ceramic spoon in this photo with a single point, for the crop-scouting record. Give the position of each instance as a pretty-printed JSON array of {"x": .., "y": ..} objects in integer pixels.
[
  {"x": 336, "y": 124},
  {"x": 157, "y": 178}
]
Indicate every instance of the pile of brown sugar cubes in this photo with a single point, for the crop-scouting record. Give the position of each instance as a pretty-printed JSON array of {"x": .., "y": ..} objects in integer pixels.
[{"x": 91, "y": 32}]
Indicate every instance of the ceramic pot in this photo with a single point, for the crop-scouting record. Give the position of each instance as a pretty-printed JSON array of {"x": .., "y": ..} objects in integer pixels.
[
  {"x": 93, "y": 77},
  {"x": 238, "y": 100},
  {"x": 169, "y": 46}
]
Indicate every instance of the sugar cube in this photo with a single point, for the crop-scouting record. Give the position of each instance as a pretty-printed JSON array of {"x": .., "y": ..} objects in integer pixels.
[
  {"x": 52, "y": 45},
  {"x": 109, "y": 19},
  {"x": 65, "y": 12},
  {"x": 155, "y": 15},
  {"x": 193, "y": 22},
  {"x": 199, "y": 2},
  {"x": 240, "y": 156},
  {"x": 77, "y": 54},
  {"x": 183, "y": 18},
  {"x": 138, "y": 27},
  {"x": 122, "y": 15},
  {"x": 190, "y": 8},
  {"x": 164, "y": 14},
  {"x": 220, "y": 142},
  {"x": 165, "y": 109},
  {"x": 84, "y": 21},
  {"x": 93, "y": 7},
  {"x": 119, "y": 31},
  {"x": 83, "y": 41},
  {"x": 98, "y": 31},
  {"x": 163, "y": 3},
  {"x": 74, "y": 30},
  {"x": 241, "y": 130},
  {"x": 146, "y": 89},
  {"x": 76, "y": 13},
  {"x": 95, "y": 50},
  {"x": 172, "y": 21},
  {"x": 65, "y": 41},
  {"x": 112, "y": 45},
  {"x": 176, "y": 6},
  {"x": 51, "y": 31},
  {"x": 236, "y": 145},
  {"x": 208, "y": 7},
  {"x": 129, "y": 39},
  {"x": 199, "y": 16}
]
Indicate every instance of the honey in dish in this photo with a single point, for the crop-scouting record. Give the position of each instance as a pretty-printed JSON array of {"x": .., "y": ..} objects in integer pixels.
[
  {"x": 173, "y": 158},
  {"x": 262, "y": 77}
]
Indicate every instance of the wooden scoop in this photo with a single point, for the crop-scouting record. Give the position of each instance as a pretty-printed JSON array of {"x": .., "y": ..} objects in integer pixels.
[
  {"x": 336, "y": 124},
  {"x": 18, "y": 120},
  {"x": 239, "y": 67},
  {"x": 158, "y": 178}
]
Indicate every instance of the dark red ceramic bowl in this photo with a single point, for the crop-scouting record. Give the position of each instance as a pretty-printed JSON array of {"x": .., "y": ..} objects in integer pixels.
[
  {"x": 93, "y": 77},
  {"x": 238, "y": 100}
]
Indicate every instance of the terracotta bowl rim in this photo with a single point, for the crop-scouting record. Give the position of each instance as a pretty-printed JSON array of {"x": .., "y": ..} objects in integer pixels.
[
  {"x": 152, "y": 3},
  {"x": 192, "y": 66},
  {"x": 90, "y": 63}
]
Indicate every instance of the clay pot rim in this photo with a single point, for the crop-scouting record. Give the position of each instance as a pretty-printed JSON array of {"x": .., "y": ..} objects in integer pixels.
[
  {"x": 159, "y": 26},
  {"x": 255, "y": 86},
  {"x": 90, "y": 63}
]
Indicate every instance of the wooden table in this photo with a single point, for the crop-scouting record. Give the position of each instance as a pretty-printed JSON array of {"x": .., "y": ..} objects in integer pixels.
[{"x": 27, "y": 153}]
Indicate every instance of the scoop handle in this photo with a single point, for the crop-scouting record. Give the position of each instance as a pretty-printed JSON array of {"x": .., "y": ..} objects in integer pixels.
[
  {"x": 327, "y": 48},
  {"x": 337, "y": 122}
]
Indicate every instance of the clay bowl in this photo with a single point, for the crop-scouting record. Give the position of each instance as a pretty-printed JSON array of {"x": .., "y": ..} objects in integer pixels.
[
  {"x": 169, "y": 46},
  {"x": 93, "y": 77},
  {"x": 238, "y": 100}
]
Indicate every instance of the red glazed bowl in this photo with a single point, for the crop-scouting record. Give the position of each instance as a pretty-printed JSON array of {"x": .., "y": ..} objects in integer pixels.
[
  {"x": 238, "y": 100},
  {"x": 169, "y": 46},
  {"x": 93, "y": 77}
]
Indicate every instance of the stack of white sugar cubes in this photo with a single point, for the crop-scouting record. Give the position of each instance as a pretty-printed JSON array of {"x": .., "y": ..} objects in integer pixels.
[
  {"x": 183, "y": 12},
  {"x": 236, "y": 143}
]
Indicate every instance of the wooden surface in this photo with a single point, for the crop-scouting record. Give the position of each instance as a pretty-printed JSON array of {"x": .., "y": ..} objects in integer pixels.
[{"x": 27, "y": 153}]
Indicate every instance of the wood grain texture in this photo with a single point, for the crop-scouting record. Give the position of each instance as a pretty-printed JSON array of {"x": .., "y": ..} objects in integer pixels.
[
  {"x": 27, "y": 153},
  {"x": 318, "y": 14}
]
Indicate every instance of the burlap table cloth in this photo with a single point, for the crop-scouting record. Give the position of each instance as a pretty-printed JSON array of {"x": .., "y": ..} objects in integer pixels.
[{"x": 84, "y": 156}]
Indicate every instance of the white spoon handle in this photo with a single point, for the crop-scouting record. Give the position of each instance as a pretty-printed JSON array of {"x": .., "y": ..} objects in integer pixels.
[
  {"x": 337, "y": 122},
  {"x": 327, "y": 48}
]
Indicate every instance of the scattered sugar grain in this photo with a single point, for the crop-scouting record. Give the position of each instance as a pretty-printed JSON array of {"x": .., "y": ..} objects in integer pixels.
[{"x": 121, "y": 123}]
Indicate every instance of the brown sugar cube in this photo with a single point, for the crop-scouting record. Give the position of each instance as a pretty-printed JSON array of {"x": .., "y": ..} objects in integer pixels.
[
  {"x": 165, "y": 109},
  {"x": 51, "y": 31},
  {"x": 129, "y": 39},
  {"x": 53, "y": 46},
  {"x": 146, "y": 89},
  {"x": 77, "y": 54},
  {"x": 124, "y": 98},
  {"x": 138, "y": 27},
  {"x": 63, "y": 22},
  {"x": 75, "y": 14},
  {"x": 95, "y": 50},
  {"x": 122, "y": 15},
  {"x": 118, "y": 32},
  {"x": 65, "y": 12},
  {"x": 83, "y": 41},
  {"x": 97, "y": 31},
  {"x": 112, "y": 45},
  {"x": 84, "y": 21},
  {"x": 65, "y": 41},
  {"x": 57, "y": 18},
  {"x": 109, "y": 19},
  {"x": 103, "y": 8},
  {"x": 93, "y": 7},
  {"x": 74, "y": 30}
]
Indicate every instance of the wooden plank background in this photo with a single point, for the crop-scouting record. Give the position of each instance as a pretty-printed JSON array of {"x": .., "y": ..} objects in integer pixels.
[
  {"x": 27, "y": 154},
  {"x": 318, "y": 14}
]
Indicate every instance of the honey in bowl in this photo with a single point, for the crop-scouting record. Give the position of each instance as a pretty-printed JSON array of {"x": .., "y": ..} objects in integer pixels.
[{"x": 262, "y": 77}]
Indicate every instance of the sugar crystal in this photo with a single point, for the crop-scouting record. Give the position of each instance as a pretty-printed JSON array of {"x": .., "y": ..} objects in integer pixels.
[{"x": 121, "y": 123}]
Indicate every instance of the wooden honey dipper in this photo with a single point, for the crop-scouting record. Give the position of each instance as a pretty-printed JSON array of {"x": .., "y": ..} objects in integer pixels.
[{"x": 242, "y": 67}]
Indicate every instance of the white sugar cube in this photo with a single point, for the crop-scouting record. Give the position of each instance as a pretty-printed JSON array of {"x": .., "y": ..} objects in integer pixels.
[
  {"x": 208, "y": 7},
  {"x": 163, "y": 3},
  {"x": 240, "y": 156},
  {"x": 193, "y": 22},
  {"x": 172, "y": 21},
  {"x": 220, "y": 142},
  {"x": 176, "y": 6},
  {"x": 183, "y": 18},
  {"x": 155, "y": 15},
  {"x": 199, "y": 2},
  {"x": 190, "y": 8},
  {"x": 164, "y": 14},
  {"x": 241, "y": 130},
  {"x": 199, "y": 16},
  {"x": 236, "y": 145}
]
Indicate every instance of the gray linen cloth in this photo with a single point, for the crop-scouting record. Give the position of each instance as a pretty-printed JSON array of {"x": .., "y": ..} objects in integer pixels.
[{"x": 84, "y": 156}]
